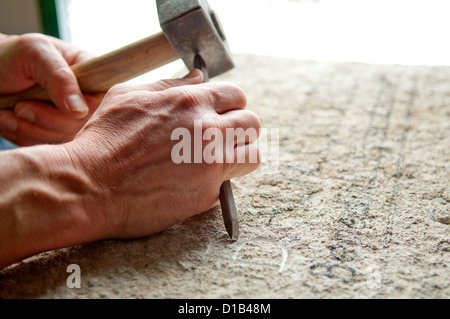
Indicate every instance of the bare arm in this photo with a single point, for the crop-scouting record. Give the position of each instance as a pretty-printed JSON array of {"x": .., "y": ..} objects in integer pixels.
[{"x": 41, "y": 203}]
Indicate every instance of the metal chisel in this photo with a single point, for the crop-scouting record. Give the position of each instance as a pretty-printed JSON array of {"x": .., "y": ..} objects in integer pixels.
[{"x": 227, "y": 203}]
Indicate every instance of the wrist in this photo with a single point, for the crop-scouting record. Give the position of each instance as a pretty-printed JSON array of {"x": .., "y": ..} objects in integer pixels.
[
  {"x": 44, "y": 207},
  {"x": 79, "y": 195},
  {"x": 104, "y": 176},
  {"x": 82, "y": 198}
]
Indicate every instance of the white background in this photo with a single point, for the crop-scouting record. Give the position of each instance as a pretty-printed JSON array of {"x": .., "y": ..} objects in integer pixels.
[{"x": 414, "y": 32}]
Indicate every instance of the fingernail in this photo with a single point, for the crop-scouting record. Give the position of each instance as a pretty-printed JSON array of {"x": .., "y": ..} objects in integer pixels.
[
  {"x": 76, "y": 104},
  {"x": 8, "y": 123},
  {"x": 26, "y": 114}
]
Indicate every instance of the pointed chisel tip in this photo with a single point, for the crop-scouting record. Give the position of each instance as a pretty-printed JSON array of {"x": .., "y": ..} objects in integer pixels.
[{"x": 229, "y": 212}]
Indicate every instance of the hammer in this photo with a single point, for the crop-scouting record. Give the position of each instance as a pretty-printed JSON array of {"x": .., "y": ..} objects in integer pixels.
[
  {"x": 190, "y": 31},
  {"x": 189, "y": 27}
]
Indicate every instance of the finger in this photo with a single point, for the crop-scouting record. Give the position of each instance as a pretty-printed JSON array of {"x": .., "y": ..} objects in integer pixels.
[
  {"x": 221, "y": 96},
  {"x": 48, "y": 68},
  {"x": 71, "y": 54},
  {"x": 225, "y": 96},
  {"x": 247, "y": 159},
  {"x": 193, "y": 77},
  {"x": 242, "y": 126},
  {"x": 48, "y": 117},
  {"x": 24, "y": 133}
]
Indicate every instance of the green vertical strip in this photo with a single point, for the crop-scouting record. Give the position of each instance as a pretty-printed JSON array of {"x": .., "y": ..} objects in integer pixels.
[{"x": 49, "y": 18}]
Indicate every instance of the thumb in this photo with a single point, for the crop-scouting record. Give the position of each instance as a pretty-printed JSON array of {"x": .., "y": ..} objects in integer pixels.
[
  {"x": 195, "y": 76},
  {"x": 64, "y": 91},
  {"x": 54, "y": 74}
]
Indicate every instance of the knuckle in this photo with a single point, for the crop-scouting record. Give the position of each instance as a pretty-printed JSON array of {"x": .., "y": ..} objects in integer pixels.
[
  {"x": 125, "y": 98},
  {"x": 31, "y": 42},
  {"x": 121, "y": 88},
  {"x": 233, "y": 86},
  {"x": 184, "y": 97},
  {"x": 236, "y": 91},
  {"x": 63, "y": 74},
  {"x": 191, "y": 98}
]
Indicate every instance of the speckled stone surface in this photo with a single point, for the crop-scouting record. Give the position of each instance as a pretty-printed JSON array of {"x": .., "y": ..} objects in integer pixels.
[{"x": 359, "y": 206}]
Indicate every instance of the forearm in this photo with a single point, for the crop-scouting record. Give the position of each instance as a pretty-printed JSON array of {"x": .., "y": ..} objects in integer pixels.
[{"x": 42, "y": 203}]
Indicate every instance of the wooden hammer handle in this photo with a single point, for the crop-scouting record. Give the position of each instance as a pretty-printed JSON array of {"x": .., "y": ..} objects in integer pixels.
[{"x": 99, "y": 74}]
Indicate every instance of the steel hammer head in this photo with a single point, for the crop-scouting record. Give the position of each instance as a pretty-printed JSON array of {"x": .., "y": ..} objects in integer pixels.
[{"x": 192, "y": 28}]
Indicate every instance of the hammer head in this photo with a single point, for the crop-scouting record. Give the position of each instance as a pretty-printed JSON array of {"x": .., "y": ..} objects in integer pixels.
[{"x": 192, "y": 28}]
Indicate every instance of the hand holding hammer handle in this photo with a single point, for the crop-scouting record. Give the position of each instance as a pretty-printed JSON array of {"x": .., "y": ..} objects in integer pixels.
[
  {"x": 188, "y": 27},
  {"x": 99, "y": 74}
]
